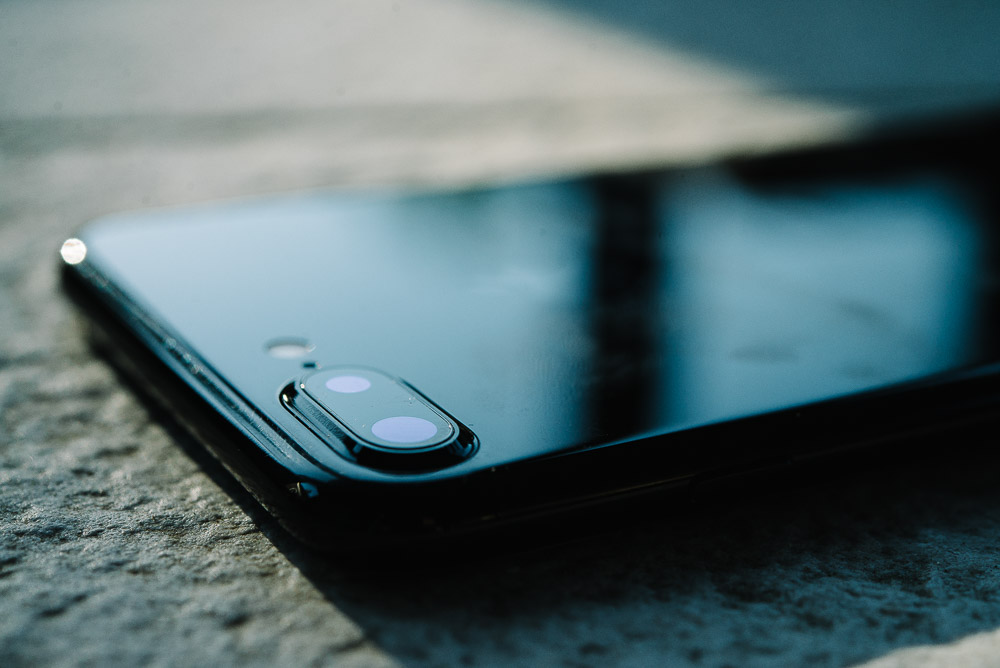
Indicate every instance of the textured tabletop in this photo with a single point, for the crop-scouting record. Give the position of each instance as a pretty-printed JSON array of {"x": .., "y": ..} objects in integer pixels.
[{"x": 122, "y": 543}]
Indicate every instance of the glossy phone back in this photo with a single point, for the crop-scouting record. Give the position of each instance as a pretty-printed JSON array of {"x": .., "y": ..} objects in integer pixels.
[{"x": 673, "y": 323}]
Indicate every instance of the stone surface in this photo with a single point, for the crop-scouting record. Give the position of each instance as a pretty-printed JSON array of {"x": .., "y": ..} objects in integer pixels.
[{"x": 121, "y": 543}]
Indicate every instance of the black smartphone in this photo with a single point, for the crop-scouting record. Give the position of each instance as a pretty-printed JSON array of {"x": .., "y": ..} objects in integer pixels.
[{"x": 384, "y": 368}]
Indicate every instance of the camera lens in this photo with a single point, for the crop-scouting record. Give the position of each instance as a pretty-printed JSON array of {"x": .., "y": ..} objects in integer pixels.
[
  {"x": 404, "y": 429},
  {"x": 348, "y": 384},
  {"x": 377, "y": 420},
  {"x": 381, "y": 420}
]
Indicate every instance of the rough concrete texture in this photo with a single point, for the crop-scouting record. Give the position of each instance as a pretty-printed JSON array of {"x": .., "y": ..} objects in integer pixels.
[{"x": 121, "y": 543}]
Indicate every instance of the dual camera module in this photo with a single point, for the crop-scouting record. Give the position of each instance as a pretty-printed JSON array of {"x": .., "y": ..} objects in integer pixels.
[
  {"x": 378, "y": 409},
  {"x": 377, "y": 420}
]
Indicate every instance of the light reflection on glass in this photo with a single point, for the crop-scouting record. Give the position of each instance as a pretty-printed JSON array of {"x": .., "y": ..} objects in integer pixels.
[
  {"x": 795, "y": 297},
  {"x": 73, "y": 251}
]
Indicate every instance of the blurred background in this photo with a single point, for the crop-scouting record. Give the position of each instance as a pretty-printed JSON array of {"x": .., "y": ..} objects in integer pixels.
[
  {"x": 116, "y": 546},
  {"x": 327, "y": 93}
]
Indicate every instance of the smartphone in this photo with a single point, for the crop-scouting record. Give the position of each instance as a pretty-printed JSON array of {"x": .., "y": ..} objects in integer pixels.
[{"x": 396, "y": 368}]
